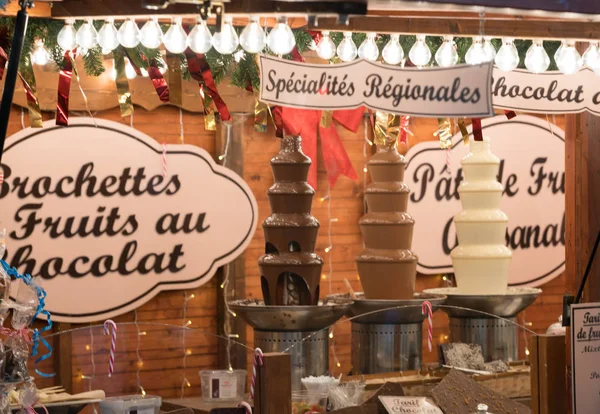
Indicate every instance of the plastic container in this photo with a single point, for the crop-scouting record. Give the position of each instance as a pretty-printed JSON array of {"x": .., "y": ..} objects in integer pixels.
[
  {"x": 138, "y": 404},
  {"x": 304, "y": 402},
  {"x": 223, "y": 385}
]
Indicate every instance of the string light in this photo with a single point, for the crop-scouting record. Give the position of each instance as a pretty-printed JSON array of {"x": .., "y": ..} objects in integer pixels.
[
  {"x": 507, "y": 58},
  {"x": 419, "y": 53},
  {"x": 368, "y": 49},
  {"x": 186, "y": 351},
  {"x": 252, "y": 38},
  {"x": 108, "y": 36},
  {"x": 176, "y": 40},
  {"x": 559, "y": 50},
  {"x": 392, "y": 52},
  {"x": 591, "y": 56},
  {"x": 475, "y": 54},
  {"x": 347, "y": 50},
  {"x": 151, "y": 34},
  {"x": 140, "y": 362},
  {"x": 129, "y": 34},
  {"x": 66, "y": 36},
  {"x": 536, "y": 58},
  {"x": 365, "y": 169},
  {"x": 488, "y": 49},
  {"x": 226, "y": 41},
  {"x": 446, "y": 54},
  {"x": 86, "y": 36},
  {"x": 200, "y": 38},
  {"x": 281, "y": 39},
  {"x": 569, "y": 61},
  {"x": 40, "y": 55},
  {"x": 326, "y": 47}
]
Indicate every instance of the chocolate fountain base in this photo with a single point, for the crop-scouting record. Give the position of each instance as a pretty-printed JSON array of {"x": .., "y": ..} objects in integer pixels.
[
  {"x": 386, "y": 348},
  {"x": 498, "y": 337},
  {"x": 309, "y": 356},
  {"x": 487, "y": 320}
]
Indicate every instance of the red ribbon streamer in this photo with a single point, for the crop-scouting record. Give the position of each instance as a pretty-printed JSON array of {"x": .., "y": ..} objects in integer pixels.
[
  {"x": 64, "y": 88},
  {"x": 404, "y": 128},
  {"x": 200, "y": 71},
  {"x": 510, "y": 114},
  {"x": 477, "y": 131},
  {"x": 3, "y": 61},
  {"x": 307, "y": 123},
  {"x": 159, "y": 82}
]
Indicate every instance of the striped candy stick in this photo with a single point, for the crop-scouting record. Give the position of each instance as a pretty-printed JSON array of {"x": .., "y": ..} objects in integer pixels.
[
  {"x": 427, "y": 311},
  {"x": 258, "y": 360},
  {"x": 245, "y": 405},
  {"x": 108, "y": 326},
  {"x": 1, "y": 175},
  {"x": 163, "y": 158}
]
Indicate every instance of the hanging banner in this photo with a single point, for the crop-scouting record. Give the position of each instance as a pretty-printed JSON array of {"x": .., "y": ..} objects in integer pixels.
[
  {"x": 532, "y": 171},
  {"x": 585, "y": 351},
  {"x": 458, "y": 91},
  {"x": 548, "y": 92},
  {"x": 108, "y": 223}
]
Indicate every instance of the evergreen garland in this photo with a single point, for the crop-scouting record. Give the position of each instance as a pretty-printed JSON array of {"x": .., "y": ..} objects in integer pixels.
[{"x": 241, "y": 66}]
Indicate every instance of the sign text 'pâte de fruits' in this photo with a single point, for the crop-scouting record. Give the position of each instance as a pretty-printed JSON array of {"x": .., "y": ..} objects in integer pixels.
[{"x": 88, "y": 209}]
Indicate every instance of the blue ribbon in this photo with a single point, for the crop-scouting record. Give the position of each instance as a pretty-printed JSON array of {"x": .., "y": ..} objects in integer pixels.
[{"x": 37, "y": 334}]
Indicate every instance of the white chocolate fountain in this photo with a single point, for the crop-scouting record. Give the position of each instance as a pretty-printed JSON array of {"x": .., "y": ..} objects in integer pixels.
[{"x": 481, "y": 260}]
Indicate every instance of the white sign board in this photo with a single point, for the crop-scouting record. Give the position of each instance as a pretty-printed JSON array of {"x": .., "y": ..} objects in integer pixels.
[
  {"x": 585, "y": 357},
  {"x": 88, "y": 209},
  {"x": 412, "y": 405},
  {"x": 548, "y": 92},
  {"x": 532, "y": 171},
  {"x": 458, "y": 91}
]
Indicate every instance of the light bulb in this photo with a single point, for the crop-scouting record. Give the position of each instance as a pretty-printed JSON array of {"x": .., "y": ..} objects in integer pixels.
[
  {"x": 281, "y": 39},
  {"x": 475, "y": 54},
  {"x": 226, "y": 41},
  {"x": 419, "y": 53},
  {"x": 591, "y": 57},
  {"x": 368, "y": 49},
  {"x": 200, "y": 38},
  {"x": 151, "y": 34},
  {"x": 87, "y": 36},
  {"x": 392, "y": 52},
  {"x": 129, "y": 34},
  {"x": 446, "y": 55},
  {"x": 175, "y": 39},
  {"x": 66, "y": 36},
  {"x": 569, "y": 60},
  {"x": 129, "y": 70},
  {"x": 347, "y": 50},
  {"x": 40, "y": 54},
  {"x": 252, "y": 38},
  {"x": 326, "y": 47},
  {"x": 488, "y": 49},
  {"x": 536, "y": 58},
  {"x": 559, "y": 50},
  {"x": 507, "y": 58},
  {"x": 108, "y": 36}
]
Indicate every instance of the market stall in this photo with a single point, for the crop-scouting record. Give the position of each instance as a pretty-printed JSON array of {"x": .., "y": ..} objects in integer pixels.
[{"x": 423, "y": 173}]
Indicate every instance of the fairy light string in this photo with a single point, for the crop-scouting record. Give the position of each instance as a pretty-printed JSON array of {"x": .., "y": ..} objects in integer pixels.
[
  {"x": 140, "y": 362},
  {"x": 186, "y": 352}
]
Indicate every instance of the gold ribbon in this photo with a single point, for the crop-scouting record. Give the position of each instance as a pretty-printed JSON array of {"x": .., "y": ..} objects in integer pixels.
[
  {"x": 444, "y": 133},
  {"x": 463, "y": 131},
  {"x": 175, "y": 90},
  {"x": 380, "y": 128},
  {"x": 122, "y": 85},
  {"x": 210, "y": 122},
  {"x": 393, "y": 127},
  {"x": 261, "y": 111},
  {"x": 85, "y": 99},
  {"x": 326, "y": 118},
  {"x": 33, "y": 105}
]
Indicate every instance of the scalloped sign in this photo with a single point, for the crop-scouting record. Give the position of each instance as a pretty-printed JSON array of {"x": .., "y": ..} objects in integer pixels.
[{"x": 88, "y": 209}]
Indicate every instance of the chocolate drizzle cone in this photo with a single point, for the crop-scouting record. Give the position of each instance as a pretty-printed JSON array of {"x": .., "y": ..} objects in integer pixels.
[{"x": 387, "y": 267}]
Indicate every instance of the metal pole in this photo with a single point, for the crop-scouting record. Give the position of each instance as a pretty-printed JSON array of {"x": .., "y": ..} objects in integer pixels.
[{"x": 13, "y": 69}]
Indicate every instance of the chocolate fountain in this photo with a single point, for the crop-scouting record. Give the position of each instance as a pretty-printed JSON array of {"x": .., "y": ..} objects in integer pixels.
[
  {"x": 388, "y": 337},
  {"x": 291, "y": 318},
  {"x": 484, "y": 308}
]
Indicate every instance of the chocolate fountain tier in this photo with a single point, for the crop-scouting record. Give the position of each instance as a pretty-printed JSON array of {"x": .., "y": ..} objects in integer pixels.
[
  {"x": 387, "y": 196},
  {"x": 291, "y": 197},
  {"x": 508, "y": 305},
  {"x": 391, "y": 273},
  {"x": 388, "y": 230},
  {"x": 289, "y": 318},
  {"x": 296, "y": 232}
]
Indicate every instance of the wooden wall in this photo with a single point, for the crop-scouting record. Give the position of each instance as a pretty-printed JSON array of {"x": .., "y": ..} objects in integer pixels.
[{"x": 161, "y": 349}]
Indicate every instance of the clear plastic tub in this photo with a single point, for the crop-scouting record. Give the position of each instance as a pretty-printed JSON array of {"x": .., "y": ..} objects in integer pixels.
[
  {"x": 223, "y": 385},
  {"x": 304, "y": 402},
  {"x": 137, "y": 404}
]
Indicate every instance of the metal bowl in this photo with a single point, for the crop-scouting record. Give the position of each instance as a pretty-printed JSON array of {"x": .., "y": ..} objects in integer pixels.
[
  {"x": 396, "y": 312},
  {"x": 289, "y": 318},
  {"x": 471, "y": 306}
]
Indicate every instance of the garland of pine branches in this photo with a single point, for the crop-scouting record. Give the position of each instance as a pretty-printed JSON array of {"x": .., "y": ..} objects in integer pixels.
[{"x": 243, "y": 72}]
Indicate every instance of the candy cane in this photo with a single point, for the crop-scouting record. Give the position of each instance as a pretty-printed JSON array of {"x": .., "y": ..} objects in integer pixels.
[
  {"x": 427, "y": 311},
  {"x": 245, "y": 405},
  {"x": 258, "y": 360},
  {"x": 113, "y": 344},
  {"x": 1, "y": 175},
  {"x": 164, "y": 159}
]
